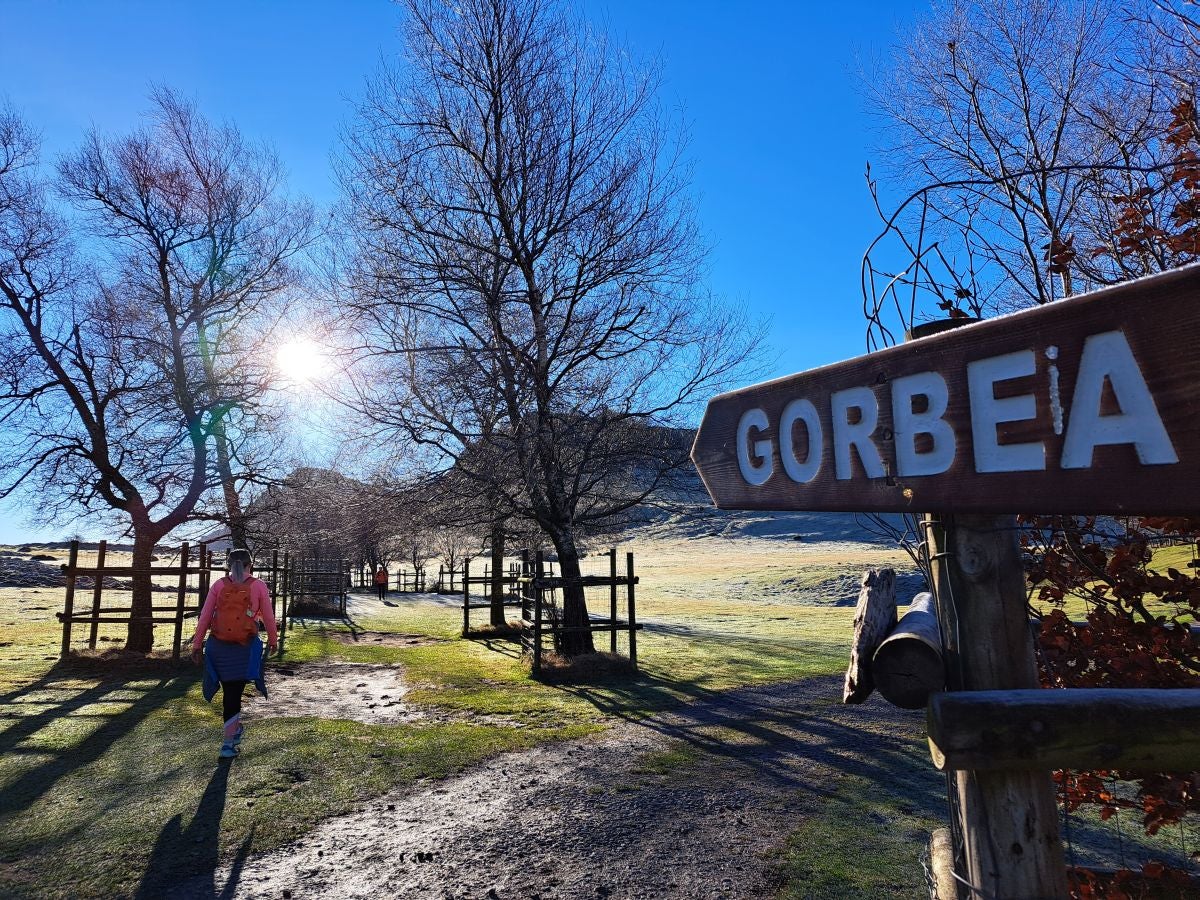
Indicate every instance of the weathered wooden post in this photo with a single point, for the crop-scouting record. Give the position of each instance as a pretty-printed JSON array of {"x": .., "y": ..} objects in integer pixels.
[
  {"x": 69, "y": 602},
  {"x": 275, "y": 579},
  {"x": 874, "y": 617},
  {"x": 631, "y": 582},
  {"x": 612, "y": 597},
  {"x": 284, "y": 597},
  {"x": 1008, "y": 820},
  {"x": 206, "y": 567},
  {"x": 525, "y": 611},
  {"x": 941, "y": 864},
  {"x": 180, "y": 600},
  {"x": 97, "y": 593},
  {"x": 466, "y": 598},
  {"x": 537, "y": 615}
]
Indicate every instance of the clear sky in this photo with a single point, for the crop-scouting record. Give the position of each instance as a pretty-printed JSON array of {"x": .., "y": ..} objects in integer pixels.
[{"x": 779, "y": 133}]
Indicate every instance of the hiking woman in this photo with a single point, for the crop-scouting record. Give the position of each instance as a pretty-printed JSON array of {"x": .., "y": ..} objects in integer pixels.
[
  {"x": 381, "y": 580},
  {"x": 233, "y": 653}
]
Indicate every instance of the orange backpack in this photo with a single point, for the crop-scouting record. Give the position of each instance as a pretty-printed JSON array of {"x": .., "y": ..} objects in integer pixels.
[{"x": 234, "y": 619}]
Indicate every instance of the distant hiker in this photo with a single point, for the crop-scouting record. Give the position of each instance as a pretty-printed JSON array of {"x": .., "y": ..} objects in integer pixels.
[
  {"x": 233, "y": 653},
  {"x": 381, "y": 580}
]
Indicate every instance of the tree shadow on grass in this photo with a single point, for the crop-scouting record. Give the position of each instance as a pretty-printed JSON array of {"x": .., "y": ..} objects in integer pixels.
[
  {"x": 194, "y": 853},
  {"x": 135, "y": 692},
  {"x": 783, "y": 732}
]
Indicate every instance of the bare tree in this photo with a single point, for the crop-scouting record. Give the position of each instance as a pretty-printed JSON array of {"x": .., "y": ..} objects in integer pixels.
[
  {"x": 454, "y": 546},
  {"x": 1023, "y": 129},
  {"x": 525, "y": 269},
  {"x": 132, "y": 357}
]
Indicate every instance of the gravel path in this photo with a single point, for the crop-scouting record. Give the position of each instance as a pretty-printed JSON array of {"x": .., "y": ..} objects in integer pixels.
[{"x": 597, "y": 817}]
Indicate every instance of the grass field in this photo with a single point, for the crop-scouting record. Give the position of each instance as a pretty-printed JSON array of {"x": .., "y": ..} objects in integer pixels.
[{"x": 107, "y": 771}]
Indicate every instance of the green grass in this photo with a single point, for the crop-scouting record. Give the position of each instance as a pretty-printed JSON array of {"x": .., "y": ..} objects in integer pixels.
[
  {"x": 666, "y": 762},
  {"x": 99, "y": 807},
  {"x": 109, "y": 777},
  {"x": 863, "y": 842}
]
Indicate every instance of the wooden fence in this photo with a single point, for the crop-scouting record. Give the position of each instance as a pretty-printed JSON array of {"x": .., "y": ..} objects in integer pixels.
[
  {"x": 188, "y": 576},
  {"x": 411, "y": 582},
  {"x": 290, "y": 579},
  {"x": 512, "y": 587},
  {"x": 450, "y": 578},
  {"x": 315, "y": 579},
  {"x": 541, "y": 614}
]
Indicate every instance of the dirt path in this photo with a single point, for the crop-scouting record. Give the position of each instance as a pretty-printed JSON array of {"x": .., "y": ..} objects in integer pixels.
[{"x": 598, "y": 817}]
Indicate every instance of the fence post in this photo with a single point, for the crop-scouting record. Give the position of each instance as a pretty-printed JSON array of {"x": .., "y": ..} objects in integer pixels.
[
  {"x": 97, "y": 588},
  {"x": 612, "y": 597},
  {"x": 466, "y": 598},
  {"x": 1008, "y": 820},
  {"x": 206, "y": 565},
  {"x": 525, "y": 591},
  {"x": 69, "y": 603},
  {"x": 631, "y": 582},
  {"x": 274, "y": 577},
  {"x": 343, "y": 584},
  {"x": 202, "y": 559},
  {"x": 180, "y": 600},
  {"x": 537, "y": 616},
  {"x": 281, "y": 626}
]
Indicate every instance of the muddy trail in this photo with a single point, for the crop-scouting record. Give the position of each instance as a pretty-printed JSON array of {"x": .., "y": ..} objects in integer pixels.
[{"x": 691, "y": 803}]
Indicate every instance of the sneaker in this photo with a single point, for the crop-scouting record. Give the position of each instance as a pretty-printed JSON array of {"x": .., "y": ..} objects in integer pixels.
[
  {"x": 237, "y": 738},
  {"x": 228, "y": 750}
]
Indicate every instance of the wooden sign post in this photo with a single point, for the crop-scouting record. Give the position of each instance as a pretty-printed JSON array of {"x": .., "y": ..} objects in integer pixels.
[
  {"x": 1008, "y": 819},
  {"x": 1085, "y": 406}
]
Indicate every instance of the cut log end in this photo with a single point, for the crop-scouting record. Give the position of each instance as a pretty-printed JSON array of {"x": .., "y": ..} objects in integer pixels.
[{"x": 907, "y": 668}]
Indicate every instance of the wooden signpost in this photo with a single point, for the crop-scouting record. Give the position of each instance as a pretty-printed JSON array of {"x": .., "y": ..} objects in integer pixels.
[{"x": 1088, "y": 405}]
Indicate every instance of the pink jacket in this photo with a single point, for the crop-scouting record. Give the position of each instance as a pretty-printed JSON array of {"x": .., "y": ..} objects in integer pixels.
[{"x": 260, "y": 602}]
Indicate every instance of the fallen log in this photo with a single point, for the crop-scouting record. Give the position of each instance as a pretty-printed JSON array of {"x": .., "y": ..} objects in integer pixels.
[
  {"x": 907, "y": 668},
  {"x": 874, "y": 617}
]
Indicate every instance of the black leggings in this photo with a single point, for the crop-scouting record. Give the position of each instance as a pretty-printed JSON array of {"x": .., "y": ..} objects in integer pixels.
[
  {"x": 231, "y": 697},
  {"x": 382, "y": 588}
]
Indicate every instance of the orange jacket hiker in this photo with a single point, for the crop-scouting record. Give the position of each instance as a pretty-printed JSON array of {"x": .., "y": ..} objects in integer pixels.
[
  {"x": 381, "y": 576},
  {"x": 233, "y": 654},
  {"x": 236, "y": 609}
]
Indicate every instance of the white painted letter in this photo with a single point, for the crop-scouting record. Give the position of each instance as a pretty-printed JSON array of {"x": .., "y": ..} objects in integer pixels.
[
  {"x": 804, "y": 411},
  {"x": 754, "y": 473},
  {"x": 909, "y": 424},
  {"x": 987, "y": 412},
  {"x": 857, "y": 435},
  {"x": 1108, "y": 355}
]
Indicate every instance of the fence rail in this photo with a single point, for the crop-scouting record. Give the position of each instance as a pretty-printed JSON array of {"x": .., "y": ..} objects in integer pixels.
[
  {"x": 510, "y": 579},
  {"x": 181, "y": 574},
  {"x": 541, "y": 614},
  {"x": 290, "y": 578}
]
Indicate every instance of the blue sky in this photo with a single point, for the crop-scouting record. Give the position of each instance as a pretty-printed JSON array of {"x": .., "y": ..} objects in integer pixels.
[{"x": 779, "y": 136}]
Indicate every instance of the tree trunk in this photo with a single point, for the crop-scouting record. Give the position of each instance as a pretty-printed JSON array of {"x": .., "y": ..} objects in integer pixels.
[
  {"x": 574, "y": 605},
  {"x": 498, "y": 615},
  {"x": 235, "y": 515},
  {"x": 140, "y": 638}
]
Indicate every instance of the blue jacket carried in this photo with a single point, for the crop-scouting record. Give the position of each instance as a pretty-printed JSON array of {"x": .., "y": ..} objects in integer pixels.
[{"x": 235, "y": 662}]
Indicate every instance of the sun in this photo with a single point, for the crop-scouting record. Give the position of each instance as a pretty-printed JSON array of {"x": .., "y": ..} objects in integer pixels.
[{"x": 301, "y": 361}]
